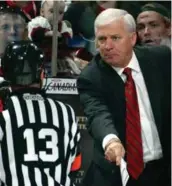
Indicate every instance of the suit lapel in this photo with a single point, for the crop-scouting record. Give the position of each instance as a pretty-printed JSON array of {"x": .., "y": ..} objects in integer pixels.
[
  {"x": 115, "y": 84},
  {"x": 152, "y": 79}
]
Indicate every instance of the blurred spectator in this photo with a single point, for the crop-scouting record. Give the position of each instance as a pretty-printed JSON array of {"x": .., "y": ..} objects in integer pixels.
[
  {"x": 154, "y": 25},
  {"x": 40, "y": 31},
  {"x": 29, "y": 8},
  {"x": 87, "y": 12},
  {"x": 12, "y": 26},
  {"x": 41, "y": 27},
  {"x": 81, "y": 15},
  {"x": 166, "y": 4}
]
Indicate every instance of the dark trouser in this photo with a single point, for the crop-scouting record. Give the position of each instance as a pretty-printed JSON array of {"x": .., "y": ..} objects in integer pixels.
[
  {"x": 95, "y": 176},
  {"x": 154, "y": 174}
]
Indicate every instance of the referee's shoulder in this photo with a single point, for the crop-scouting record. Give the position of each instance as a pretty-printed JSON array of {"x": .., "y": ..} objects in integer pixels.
[
  {"x": 61, "y": 104},
  {"x": 9, "y": 102}
]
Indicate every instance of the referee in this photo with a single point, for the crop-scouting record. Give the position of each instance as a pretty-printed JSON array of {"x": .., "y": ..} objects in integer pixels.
[{"x": 38, "y": 135}]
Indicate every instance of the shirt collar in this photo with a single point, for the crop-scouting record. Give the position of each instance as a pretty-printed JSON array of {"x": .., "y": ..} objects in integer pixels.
[{"x": 133, "y": 64}]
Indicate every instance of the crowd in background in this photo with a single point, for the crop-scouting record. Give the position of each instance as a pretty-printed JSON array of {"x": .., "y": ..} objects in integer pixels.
[
  {"x": 79, "y": 43},
  {"x": 33, "y": 20}
]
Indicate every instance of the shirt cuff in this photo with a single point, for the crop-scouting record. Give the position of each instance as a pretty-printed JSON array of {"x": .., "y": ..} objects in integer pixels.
[{"x": 107, "y": 138}]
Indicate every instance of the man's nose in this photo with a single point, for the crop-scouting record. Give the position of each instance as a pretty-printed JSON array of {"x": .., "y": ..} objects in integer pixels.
[
  {"x": 12, "y": 30},
  {"x": 146, "y": 31},
  {"x": 109, "y": 44}
]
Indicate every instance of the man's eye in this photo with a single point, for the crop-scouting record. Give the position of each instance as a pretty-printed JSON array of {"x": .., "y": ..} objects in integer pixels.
[
  {"x": 17, "y": 27},
  {"x": 101, "y": 38},
  {"x": 154, "y": 25},
  {"x": 140, "y": 27},
  {"x": 5, "y": 27},
  {"x": 115, "y": 38}
]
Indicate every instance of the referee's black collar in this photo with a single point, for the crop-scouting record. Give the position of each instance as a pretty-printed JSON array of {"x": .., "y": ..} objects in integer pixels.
[{"x": 30, "y": 90}]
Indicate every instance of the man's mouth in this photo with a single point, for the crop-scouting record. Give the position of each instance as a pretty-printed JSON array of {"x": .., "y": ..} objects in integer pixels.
[
  {"x": 149, "y": 42},
  {"x": 110, "y": 55}
]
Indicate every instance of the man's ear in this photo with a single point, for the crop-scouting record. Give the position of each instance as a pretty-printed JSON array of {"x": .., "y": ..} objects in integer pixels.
[{"x": 133, "y": 38}]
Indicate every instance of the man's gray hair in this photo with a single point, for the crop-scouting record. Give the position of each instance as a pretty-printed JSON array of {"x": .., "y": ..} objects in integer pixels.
[{"x": 112, "y": 14}]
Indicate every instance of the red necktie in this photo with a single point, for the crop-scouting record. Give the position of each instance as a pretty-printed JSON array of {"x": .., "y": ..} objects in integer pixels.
[{"x": 134, "y": 149}]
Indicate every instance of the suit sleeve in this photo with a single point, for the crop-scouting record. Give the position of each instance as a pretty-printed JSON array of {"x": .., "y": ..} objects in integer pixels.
[
  {"x": 100, "y": 122},
  {"x": 164, "y": 59},
  {"x": 165, "y": 67},
  {"x": 166, "y": 129}
]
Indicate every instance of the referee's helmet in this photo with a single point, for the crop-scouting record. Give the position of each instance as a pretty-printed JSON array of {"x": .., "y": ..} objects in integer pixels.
[{"x": 22, "y": 63}]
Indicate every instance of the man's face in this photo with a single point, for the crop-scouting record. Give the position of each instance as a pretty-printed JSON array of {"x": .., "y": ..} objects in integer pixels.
[
  {"x": 12, "y": 28},
  {"x": 151, "y": 28},
  {"x": 47, "y": 11},
  {"x": 115, "y": 43}
]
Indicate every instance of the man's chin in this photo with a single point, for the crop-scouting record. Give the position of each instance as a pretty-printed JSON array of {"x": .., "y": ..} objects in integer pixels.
[
  {"x": 109, "y": 60},
  {"x": 151, "y": 43}
]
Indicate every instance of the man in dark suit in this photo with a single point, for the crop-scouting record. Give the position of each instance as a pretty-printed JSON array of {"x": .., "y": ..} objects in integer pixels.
[{"x": 125, "y": 92}]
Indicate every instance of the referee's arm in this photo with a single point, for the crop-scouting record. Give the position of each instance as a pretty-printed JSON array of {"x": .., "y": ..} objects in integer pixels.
[{"x": 75, "y": 151}]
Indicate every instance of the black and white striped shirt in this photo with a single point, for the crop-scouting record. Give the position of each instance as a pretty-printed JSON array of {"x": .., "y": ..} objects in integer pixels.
[{"x": 38, "y": 141}]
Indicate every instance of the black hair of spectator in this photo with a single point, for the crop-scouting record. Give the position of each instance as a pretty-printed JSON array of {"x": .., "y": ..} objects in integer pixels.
[{"x": 156, "y": 7}]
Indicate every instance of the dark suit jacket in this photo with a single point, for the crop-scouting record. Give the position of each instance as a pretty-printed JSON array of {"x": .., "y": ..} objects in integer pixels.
[{"x": 102, "y": 95}]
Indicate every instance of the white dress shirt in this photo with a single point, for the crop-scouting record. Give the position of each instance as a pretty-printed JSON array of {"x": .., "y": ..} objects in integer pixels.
[{"x": 152, "y": 149}]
